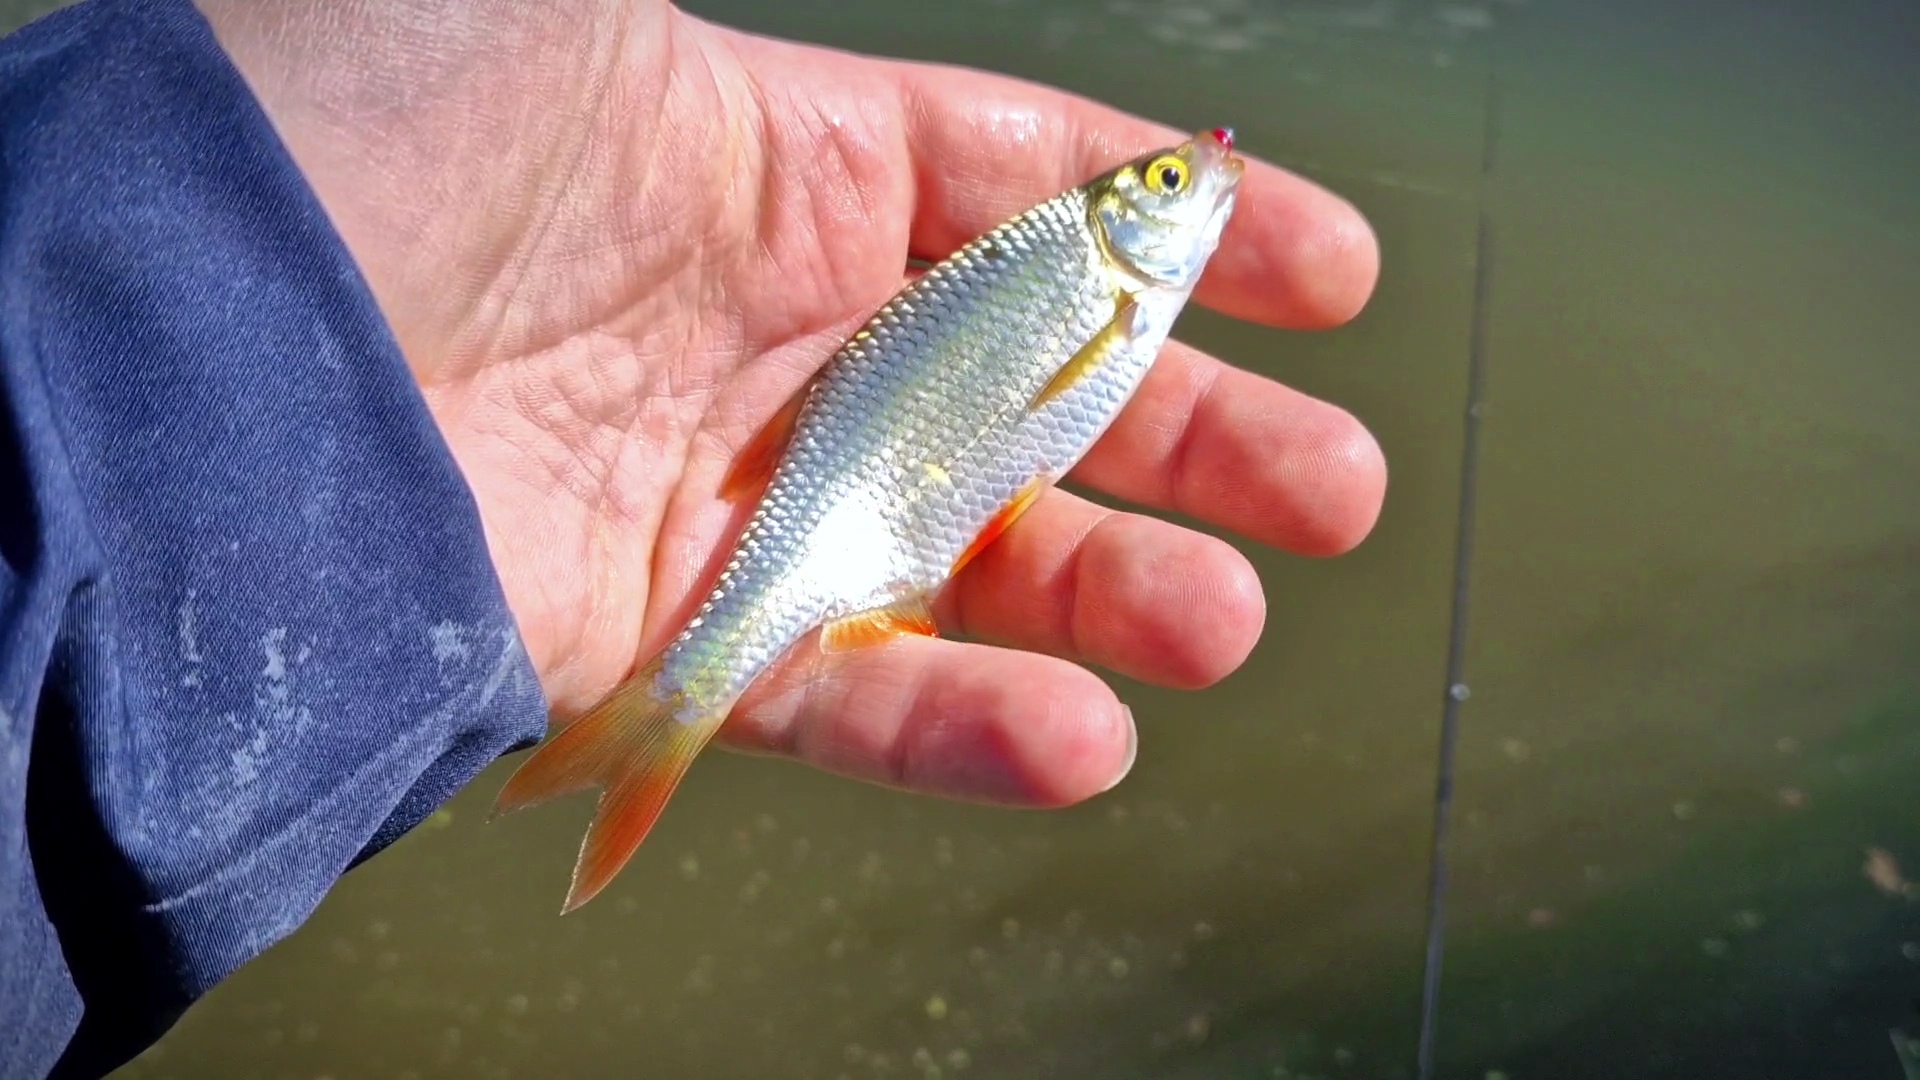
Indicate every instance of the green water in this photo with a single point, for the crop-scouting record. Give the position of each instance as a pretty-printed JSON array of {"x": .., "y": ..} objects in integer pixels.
[{"x": 1685, "y": 806}]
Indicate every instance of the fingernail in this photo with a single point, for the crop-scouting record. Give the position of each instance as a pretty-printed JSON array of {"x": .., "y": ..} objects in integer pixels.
[{"x": 1133, "y": 750}]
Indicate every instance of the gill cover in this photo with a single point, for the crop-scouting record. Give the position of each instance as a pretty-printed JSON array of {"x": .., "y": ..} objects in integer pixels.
[{"x": 1160, "y": 215}]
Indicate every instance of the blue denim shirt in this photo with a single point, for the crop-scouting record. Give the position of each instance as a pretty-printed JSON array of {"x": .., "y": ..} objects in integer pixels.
[{"x": 249, "y": 631}]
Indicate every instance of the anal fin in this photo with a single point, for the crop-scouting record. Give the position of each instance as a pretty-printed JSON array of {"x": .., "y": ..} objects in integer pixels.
[
  {"x": 633, "y": 747},
  {"x": 1090, "y": 357},
  {"x": 878, "y": 626}
]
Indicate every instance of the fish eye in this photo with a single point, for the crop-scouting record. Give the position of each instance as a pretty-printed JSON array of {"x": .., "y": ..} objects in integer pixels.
[{"x": 1166, "y": 175}]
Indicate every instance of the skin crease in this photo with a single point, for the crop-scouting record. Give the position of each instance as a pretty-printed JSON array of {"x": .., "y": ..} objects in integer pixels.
[{"x": 612, "y": 239}]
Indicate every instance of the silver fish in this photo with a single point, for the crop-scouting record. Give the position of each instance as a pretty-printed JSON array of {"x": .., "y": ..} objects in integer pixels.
[{"x": 917, "y": 444}]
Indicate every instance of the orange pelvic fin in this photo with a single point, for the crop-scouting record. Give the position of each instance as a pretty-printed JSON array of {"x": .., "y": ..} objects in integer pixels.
[
  {"x": 754, "y": 465},
  {"x": 632, "y": 747},
  {"x": 1089, "y": 358},
  {"x": 876, "y": 627},
  {"x": 1020, "y": 503}
]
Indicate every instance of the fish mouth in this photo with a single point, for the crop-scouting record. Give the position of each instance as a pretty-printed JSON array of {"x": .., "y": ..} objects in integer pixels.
[
  {"x": 1215, "y": 160},
  {"x": 1213, "y": 152}
]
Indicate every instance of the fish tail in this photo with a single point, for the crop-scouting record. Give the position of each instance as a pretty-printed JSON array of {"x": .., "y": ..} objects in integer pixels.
[{"x": 632, "y": 747}]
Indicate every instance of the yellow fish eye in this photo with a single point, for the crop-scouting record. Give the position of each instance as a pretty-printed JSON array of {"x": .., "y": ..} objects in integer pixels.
[{"x": 1165, "y": 175}]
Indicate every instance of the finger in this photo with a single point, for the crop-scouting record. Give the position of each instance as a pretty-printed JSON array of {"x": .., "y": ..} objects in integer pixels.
[
  {"x": 986, "y": 147},
  {"x": 1134, "y": 594},
  {"x": 1242, "y": 452},
  {"x": 946, "y": 718}
]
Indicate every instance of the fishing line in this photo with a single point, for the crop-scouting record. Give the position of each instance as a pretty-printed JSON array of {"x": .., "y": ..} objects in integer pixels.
[{"x": 1456, "y": 688}]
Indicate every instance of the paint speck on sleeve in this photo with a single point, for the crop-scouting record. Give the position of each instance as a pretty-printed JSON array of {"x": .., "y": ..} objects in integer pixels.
[{"x": 449, "y": 641}]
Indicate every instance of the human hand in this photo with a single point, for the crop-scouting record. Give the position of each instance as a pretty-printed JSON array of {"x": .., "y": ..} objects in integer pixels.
[{"x": 613, "y": 239}]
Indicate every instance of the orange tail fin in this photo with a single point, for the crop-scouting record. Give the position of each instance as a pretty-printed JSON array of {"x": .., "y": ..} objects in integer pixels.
[{"x": 631, "y": 746}]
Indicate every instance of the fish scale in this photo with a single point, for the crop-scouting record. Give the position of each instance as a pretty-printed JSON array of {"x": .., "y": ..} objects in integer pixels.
[
  {"x": 939, "y": 377},
  {"x": 921, "y": 439}
]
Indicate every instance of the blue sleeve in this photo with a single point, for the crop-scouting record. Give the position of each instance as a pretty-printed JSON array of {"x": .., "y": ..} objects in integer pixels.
[{"x": 249, "y": 629}]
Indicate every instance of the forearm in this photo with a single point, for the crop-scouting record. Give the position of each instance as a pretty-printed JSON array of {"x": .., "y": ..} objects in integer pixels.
[{"x": 249, "y": 629}]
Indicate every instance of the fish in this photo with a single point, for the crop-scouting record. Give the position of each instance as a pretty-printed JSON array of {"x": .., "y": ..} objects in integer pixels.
[{"x": 913, "y": 448}]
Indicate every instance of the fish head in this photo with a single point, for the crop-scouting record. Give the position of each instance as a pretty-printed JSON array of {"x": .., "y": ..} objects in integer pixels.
[{"x": 1159, "y": 216}]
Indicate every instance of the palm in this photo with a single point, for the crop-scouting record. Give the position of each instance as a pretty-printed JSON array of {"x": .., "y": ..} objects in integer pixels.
[{"x": 606, "y": 287}]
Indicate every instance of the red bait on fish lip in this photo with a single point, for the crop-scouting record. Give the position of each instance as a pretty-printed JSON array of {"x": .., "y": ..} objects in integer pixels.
[{"x": 1224, "y": 136}]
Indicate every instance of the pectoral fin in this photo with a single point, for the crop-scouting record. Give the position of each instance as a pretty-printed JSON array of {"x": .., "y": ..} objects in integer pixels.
[
  {"x": 1022, "y": 500},
  {"x": 1090, "y": 357}
]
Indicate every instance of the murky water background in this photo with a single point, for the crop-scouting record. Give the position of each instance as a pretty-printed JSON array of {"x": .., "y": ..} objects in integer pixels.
[{"x": 1686, "y": 826}]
